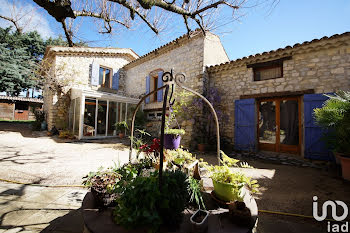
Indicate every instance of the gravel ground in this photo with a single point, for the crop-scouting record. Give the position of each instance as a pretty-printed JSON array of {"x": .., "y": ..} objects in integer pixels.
[
  {"x": 34, "y": 157},
  {"x": 290, "y": 189}
]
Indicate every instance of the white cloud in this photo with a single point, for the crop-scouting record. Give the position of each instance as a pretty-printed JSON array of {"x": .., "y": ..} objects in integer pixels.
[{"x": 27, "y": 16}]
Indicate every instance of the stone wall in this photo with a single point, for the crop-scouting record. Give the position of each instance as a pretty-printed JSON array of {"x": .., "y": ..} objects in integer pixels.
[
  {"x": 185, "y": 55},
  {"x": 73, "y": 71},
  {"x": 325, "y": 68}
]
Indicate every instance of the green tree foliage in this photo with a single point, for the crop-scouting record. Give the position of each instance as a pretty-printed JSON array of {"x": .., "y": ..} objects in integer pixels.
[
  {"x": 15, "y": 70},
  {"x": 20, "y": 54},
  {"x": 335, "y": 117}
]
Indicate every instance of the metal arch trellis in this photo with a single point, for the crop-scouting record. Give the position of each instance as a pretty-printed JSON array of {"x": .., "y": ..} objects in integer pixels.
[{"x": 168, "y": 79}]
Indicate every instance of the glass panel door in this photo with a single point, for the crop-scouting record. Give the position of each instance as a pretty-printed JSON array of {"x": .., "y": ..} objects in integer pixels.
[
  {"x": 89, "y": 117},
  {"x": 77, "y": 116},
  {"x": 112, "y": 118},
  {"x": 279, "y": 124},
  {"x": 267, "y": 122},
  {"x": 101, "y": 118},
  {"x": 289, "y": 133}
]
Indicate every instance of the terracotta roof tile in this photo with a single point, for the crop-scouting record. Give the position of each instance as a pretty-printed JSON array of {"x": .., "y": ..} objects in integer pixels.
[
  {"x": 157, "y": 50},
  {"x": 272, "y": 52}
]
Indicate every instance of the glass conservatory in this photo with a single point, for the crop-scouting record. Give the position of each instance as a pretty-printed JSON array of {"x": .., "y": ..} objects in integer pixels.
[{"x": 93, "y": 114}]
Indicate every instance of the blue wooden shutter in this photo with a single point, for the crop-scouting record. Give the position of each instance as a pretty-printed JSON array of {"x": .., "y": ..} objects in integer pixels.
[
  {"x": 148, "y": 86},
  {"x": 115, "y": 81},
  {"x": 160, "y": 83},
  {"x": 245, "y": 125},
  {"x": 315, "y": 146},
  {"x": 95, "y": 73}
]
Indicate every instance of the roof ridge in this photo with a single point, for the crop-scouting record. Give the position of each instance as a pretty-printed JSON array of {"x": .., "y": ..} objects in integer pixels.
[
  {"x": 191, "y": 35},
  {"x": 296, "y": 45}
]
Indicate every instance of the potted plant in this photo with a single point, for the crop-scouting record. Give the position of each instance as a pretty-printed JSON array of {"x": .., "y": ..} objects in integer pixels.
[
  {"x": 202, "y": 139},
  {"x": 201, "y": 146},
  {"x": 335, "y": 117},
  {"x": 102, "y": 185},
  {"x": 230, "y": 186},
  {"x": 172, "y": 138},
  {"x": 240, "y": 213},
  {"x": 199, "y": 221},
  {"x": 121, "y": 127}
]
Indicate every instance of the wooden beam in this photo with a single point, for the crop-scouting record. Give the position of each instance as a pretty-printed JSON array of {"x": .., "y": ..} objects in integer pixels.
[
  {"x": 278, "y": 94},
  {"x": 269, "y": 63}
]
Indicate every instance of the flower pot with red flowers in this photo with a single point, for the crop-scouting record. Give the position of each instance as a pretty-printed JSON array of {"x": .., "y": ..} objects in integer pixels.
[
  {"x": 152, "y": 151},
  {"x": 121, "y": 127}
]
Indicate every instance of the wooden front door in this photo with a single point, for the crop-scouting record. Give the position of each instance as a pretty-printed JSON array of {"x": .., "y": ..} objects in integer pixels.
[{"x": 279, "y": 124}]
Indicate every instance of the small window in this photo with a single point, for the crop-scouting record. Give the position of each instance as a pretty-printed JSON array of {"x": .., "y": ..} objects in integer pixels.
[
  {"x": 151, "y": 116},
  {"x": 269, "y": 69},
  {"x": 105, "y": 79},
  {"x": 265, "y": 73},
  {"x": 154, "y": 116}
]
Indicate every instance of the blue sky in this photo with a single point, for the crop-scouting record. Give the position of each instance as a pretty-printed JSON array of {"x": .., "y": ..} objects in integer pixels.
[{"x": 259, "y": 29}]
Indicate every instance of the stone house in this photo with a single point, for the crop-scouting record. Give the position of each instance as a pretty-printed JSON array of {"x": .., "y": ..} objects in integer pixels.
[
  {"x": 83, "y": 100},
  {"x": 82, "y": 92},
  {"x": 268, "y": 97}
]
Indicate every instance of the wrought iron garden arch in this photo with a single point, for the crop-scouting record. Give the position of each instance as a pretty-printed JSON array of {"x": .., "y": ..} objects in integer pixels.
[{"x": 169, "y": 80}]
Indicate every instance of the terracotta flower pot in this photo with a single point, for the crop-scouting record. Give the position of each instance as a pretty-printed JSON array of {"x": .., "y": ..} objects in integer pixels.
[
  {"x": 201, "y": 147},
  {"x": 121, "y": 135},
  {"x": 157, "y": 165},
  {"x": 345, "y": 167},
  {"x": 337, "y": 156}
]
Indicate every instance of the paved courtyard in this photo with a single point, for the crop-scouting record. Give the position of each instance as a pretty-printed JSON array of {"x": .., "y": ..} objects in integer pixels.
[
  {"x": 35, "y": 158},
  {"x": 25, "y": 208}
]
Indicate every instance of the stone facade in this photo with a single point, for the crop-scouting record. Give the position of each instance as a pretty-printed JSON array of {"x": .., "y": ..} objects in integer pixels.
[
  {"x": 186, "y": 55},
  {"x": 71, "y": 67},
  {"x": 320, "y": 67}
]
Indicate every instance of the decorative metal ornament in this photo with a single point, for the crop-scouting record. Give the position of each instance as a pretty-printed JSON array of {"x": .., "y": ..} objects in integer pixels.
[{"x": 169, "y": 80}]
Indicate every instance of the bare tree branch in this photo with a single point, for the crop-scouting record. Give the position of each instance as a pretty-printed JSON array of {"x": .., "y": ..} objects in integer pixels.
[
  {"x": 134, "y": 11},
  {"x": 112, "y": 11},
  {"x": 106, "y": 18},
  {"x": 214, "y": 5},
  {"x": 68, "y": 33},
  {"x": 18, "y": 28},
  {"x": 187, "y": 27},
  {"x": 59, "y": 9}
]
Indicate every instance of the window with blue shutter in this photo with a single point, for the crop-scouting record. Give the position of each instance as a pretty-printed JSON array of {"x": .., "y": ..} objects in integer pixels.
[
  {"x": 148, "y": 86},
  {"x": 160, "y": 83},
  {"x": 245, "y": 125},
  {"x": 95, "y": 73},
  {"x": 315, "y": 146},
  {"x": 115, "y": 81}
]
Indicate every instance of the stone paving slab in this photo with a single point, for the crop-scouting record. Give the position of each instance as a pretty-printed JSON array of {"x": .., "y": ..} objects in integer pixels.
[{"x": 25, "y": 208}]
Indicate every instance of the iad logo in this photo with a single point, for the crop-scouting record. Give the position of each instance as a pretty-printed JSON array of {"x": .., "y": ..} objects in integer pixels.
[{"x": 333, "y": 205}]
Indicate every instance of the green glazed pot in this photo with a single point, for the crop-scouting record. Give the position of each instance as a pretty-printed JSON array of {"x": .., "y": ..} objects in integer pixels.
[{"x": 228, "y": 192}]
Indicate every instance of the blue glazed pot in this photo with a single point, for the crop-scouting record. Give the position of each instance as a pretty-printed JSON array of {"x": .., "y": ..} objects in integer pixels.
[
  {"x": 43, "y": 125},
  {"x": 171, "y": 141}
]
